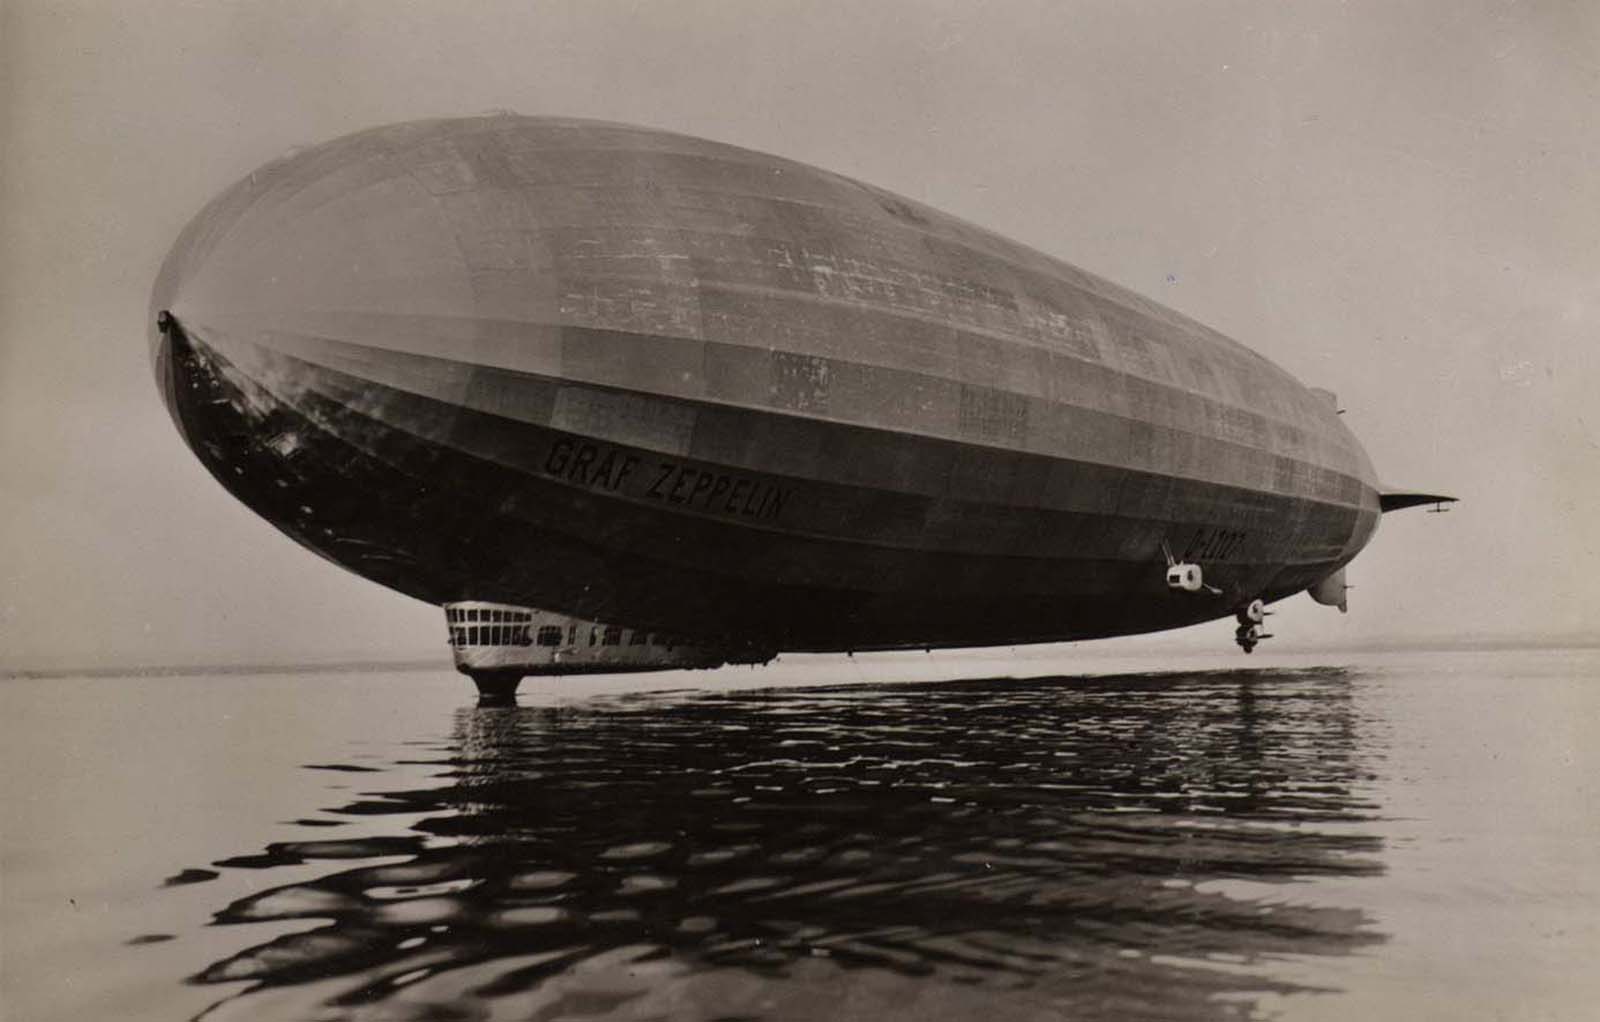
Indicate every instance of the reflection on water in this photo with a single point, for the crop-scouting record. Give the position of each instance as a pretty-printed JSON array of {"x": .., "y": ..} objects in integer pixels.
[{"x": 1020, "y": 848}]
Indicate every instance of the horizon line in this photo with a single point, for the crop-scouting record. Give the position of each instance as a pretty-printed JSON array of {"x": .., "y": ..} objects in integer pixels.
[{"x": 358, "y": 665}]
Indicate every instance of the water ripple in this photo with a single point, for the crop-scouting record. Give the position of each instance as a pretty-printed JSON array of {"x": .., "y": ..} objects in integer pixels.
[{"x": 1020, "y": 847}]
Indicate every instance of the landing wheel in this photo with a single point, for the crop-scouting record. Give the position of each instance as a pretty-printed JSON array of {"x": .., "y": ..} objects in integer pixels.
[{"x": 496, "y": 688}]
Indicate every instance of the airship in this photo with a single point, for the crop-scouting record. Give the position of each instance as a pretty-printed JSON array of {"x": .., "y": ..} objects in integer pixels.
[{"x": 619, "y": 399}]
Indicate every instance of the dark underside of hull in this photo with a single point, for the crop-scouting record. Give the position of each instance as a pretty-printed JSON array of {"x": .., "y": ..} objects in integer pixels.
[{"x": 440, "y": 524}]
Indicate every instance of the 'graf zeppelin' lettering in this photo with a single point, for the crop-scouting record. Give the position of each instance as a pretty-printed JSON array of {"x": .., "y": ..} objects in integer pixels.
[{"x": 602, "y": 467}]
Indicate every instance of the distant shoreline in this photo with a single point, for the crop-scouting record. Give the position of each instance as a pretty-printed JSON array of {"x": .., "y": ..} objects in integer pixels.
[{"x": 1423, "y": 645}]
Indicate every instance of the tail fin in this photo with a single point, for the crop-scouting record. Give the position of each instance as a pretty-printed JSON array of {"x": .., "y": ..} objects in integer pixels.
[{"x": 1394, "y": 500}]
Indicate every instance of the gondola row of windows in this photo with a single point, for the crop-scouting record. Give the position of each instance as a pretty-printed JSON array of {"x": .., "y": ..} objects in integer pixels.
[
  {"x": 551, "y": 635},
  {"x": 486, "y": 615}
]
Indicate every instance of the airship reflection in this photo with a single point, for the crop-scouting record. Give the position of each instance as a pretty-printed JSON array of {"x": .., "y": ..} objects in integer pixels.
[{"x": 848, "y": 852}]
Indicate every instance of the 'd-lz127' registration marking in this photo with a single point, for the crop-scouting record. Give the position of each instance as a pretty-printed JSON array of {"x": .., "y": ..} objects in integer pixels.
[{"x": 607, "y": 468}]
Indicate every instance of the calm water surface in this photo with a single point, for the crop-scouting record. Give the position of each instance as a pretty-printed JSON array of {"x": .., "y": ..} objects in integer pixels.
[{"x": 1391, "y": 836}]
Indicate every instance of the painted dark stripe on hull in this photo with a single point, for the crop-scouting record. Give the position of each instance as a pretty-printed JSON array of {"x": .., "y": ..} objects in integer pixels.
[
  {"x": 911, "y": 492},
  {"x": 1122, "y": 420},
  {"x": 702, "y": 426}
]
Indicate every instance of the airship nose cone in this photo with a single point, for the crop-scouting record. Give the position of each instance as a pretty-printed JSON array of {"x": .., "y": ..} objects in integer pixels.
[
  {"x": 357, "y": 242},
  {"x": 161, "y": 358}
]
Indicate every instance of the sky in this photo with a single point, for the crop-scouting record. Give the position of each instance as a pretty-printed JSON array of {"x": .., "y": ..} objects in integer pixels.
[{"x": 1393, "y": 200}]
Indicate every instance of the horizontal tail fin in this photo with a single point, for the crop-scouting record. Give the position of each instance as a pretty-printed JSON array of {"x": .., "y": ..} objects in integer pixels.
[{"x": 1394, "y": 500}]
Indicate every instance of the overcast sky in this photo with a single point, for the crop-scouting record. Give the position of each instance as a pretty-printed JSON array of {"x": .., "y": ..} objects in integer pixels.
[{"x": 1397, "y": 201}]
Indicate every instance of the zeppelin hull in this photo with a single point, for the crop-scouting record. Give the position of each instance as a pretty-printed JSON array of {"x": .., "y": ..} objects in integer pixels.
[{"x": 629, "y": 376}]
